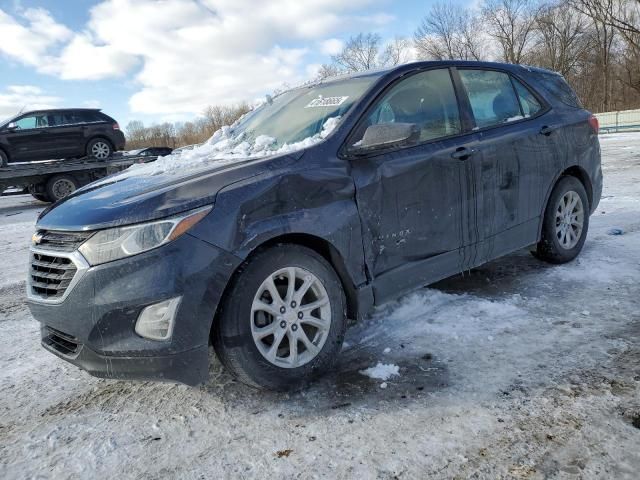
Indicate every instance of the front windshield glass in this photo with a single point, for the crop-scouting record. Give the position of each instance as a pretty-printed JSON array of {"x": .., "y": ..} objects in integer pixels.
[
  {"x": 300, "y": 114},
  {"x": 290, "y": 122}
]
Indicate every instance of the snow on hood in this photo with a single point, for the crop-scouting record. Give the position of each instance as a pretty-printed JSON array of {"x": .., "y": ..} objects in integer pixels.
[{"x": 223, "y": 148}]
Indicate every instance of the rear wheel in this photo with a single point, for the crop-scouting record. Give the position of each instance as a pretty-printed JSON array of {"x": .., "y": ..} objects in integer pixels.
[
  {"x": 566, "y": 221},
  {"x": 283, "y": 321},
  {"x": 60, "y": 186},
  {"x": 4, "y": 159},
  {"x": 99, "y": 148}
]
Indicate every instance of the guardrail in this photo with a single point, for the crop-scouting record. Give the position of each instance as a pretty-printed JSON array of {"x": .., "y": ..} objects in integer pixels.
[{"x": 621, "y": 121}]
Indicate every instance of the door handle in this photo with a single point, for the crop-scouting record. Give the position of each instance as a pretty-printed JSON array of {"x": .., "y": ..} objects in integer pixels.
[
  {"x": 546, "y": 131},
  {"x": 462, "y": 153}
]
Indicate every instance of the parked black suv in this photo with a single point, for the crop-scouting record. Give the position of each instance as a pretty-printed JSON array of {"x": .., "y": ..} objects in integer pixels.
[
  {"x": 324, "y": 202},
  {"x": 57, "y": 134}
]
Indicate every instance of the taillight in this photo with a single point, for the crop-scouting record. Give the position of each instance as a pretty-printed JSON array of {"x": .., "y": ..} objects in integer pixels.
[
  {"x": 116, "y": 126},
  {"x": 593, "y": 121}
]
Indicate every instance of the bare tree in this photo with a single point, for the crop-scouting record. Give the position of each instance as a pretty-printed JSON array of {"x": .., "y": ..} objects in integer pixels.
[
  {"x": 328, "y": 70},
  {"x": 359, "y": 53},
  {"x": 448, "y": 32},
  {"x": 396, "y": 52},
  {"x": 179, "y": 134},
  {"x": 564, "y": 37},
  {"x": 600, "y": 12},
  {"x": 512, "y": 24}
]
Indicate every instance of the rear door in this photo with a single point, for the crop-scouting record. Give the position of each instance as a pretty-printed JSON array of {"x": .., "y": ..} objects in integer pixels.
[
  {"x": 66, "y": 133},
  {"x": 413, "y": 201},
  {"x": 517, "y": 148}
]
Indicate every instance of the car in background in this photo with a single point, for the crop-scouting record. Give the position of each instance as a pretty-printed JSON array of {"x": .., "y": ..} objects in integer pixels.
[
  {"x": 58, "y": 134},
  {"x": 150, "y": 152},
  {"x": 186, "y": 148}
]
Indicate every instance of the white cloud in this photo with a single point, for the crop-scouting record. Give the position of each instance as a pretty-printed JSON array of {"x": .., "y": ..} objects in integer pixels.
[
  {"x": 331, "y": 46},
  {"x": 186, "y": 54},
  {"x": 24, "y": 97},
  {"x": 30, "y": 40}
]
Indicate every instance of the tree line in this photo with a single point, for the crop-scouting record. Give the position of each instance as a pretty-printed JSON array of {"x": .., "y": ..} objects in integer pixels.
[{"x": 594, "y": 44}]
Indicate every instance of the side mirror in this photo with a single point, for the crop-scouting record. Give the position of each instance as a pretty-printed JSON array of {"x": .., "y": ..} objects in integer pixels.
[
  {"x": 386, "y": 135},
  {"x": 12, "y": 126}
]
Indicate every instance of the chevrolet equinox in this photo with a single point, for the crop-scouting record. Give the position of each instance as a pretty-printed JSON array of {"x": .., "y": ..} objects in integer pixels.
[{"x": 324, "y": 202}]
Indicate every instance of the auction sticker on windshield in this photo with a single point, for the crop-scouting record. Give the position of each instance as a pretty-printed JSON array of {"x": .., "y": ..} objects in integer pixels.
[{"x": 326, "y": 102}]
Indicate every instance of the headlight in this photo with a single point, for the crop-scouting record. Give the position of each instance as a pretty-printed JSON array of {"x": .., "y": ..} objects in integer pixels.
[{"x": 115, "y": 243}]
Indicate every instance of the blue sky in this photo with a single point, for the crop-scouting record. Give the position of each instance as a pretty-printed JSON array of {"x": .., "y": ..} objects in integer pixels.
[{"x": 168, "y": 59}]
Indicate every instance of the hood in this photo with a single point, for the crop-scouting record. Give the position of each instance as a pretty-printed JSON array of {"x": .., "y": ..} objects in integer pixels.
[{"x": 127, "y": 198}]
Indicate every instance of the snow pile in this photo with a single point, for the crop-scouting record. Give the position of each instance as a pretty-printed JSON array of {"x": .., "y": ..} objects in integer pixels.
[
  {"x": 382, "y": 371},
  {"x": 226, "y": 147}
]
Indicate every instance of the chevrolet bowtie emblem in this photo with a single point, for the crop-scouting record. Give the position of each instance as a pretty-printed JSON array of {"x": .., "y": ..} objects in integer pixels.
[{"x": 36, "y": 238}]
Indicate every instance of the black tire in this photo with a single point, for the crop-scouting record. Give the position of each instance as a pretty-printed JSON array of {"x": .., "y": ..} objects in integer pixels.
[
  {"x": 4, "y": 159},
  {"x": 41, "y": 196},
  {"x": 99, "y": 148},
  {"x": 232, "y": 336},
  {"x": 550, "y": 248},
  {"x": 60, "y": 186}
]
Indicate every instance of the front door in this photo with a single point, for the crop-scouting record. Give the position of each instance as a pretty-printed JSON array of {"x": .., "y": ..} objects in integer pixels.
[
  {"x": 413, "y": 201},
  {"x": 30, "y": 139}
]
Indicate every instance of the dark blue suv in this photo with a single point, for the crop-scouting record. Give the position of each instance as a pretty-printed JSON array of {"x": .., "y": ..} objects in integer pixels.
[{"x": 324, "y": 202}]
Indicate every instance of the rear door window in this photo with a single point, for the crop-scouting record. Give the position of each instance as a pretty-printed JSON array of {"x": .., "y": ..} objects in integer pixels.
[
  {"x": 72, "y": 118},
  {"x": 56, "y": 119},
  {"x": 492, "y": 97}
]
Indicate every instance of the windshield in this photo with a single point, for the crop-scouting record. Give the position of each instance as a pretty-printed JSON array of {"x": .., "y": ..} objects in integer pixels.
[
  {"x": 293, "y": 121},
  {"x": 300, "y": 114}
]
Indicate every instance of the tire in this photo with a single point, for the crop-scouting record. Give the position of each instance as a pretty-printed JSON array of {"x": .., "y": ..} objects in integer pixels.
[
  {"x": 4, "y": 159},
  {"x": 41, "y": 196},
  {"x": 60, "y": 186},
  {"x": 555, "y": 245},
  {"x": 239, "y": 320},
  {"x": 99, "y": 148}
]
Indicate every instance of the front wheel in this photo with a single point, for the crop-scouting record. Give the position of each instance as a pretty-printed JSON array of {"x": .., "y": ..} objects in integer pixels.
[
  {"x": 283, "y": 321},
  {"x": 565, "y": 223}
]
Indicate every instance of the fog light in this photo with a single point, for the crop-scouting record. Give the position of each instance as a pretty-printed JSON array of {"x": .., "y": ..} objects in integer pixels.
[{"x": 156, "y": 321}]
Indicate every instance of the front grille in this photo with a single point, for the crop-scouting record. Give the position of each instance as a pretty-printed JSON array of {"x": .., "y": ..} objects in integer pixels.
[
  {"x": 59, "y": 341},
  {"x": 61, "y": 241},
  {"x": 50, "y": 275}
]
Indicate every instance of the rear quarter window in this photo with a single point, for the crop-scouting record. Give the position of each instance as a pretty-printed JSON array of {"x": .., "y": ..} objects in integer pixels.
[{"x": 558, "y": 88}]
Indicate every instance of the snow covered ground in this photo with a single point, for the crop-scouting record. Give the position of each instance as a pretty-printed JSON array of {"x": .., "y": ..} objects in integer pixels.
[{"x": 519, "y": 369}]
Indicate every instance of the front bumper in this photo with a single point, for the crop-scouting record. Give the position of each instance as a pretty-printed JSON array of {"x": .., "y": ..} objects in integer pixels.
[{"x": 100, "y": 312}]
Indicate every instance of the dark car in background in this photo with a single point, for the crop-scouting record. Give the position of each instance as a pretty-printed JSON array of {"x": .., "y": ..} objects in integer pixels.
[
  {"x": 429, "y": 169},
  {"x": 58, "y": 134},
  {"x": 150, "y": 152}
]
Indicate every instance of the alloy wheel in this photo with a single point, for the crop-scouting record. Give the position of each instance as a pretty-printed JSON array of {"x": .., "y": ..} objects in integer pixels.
[
  {"x": 100, "y": 150},
  {"x": 569, "y": 220},
  {"x": 290, "y": 317}
]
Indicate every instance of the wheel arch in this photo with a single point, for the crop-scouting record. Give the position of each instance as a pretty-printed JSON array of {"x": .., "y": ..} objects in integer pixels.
[
  {"x": 577, "y": 172},
  {"x": 6, "y": 153},
  {"x": 582, "y": 175},
  {"x": 101, "y": 137},
  {"x": 322, "y": 247}
]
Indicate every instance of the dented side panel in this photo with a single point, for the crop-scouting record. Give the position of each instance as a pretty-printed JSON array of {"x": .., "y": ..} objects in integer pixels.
[{"x": 316, "y": 199}]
